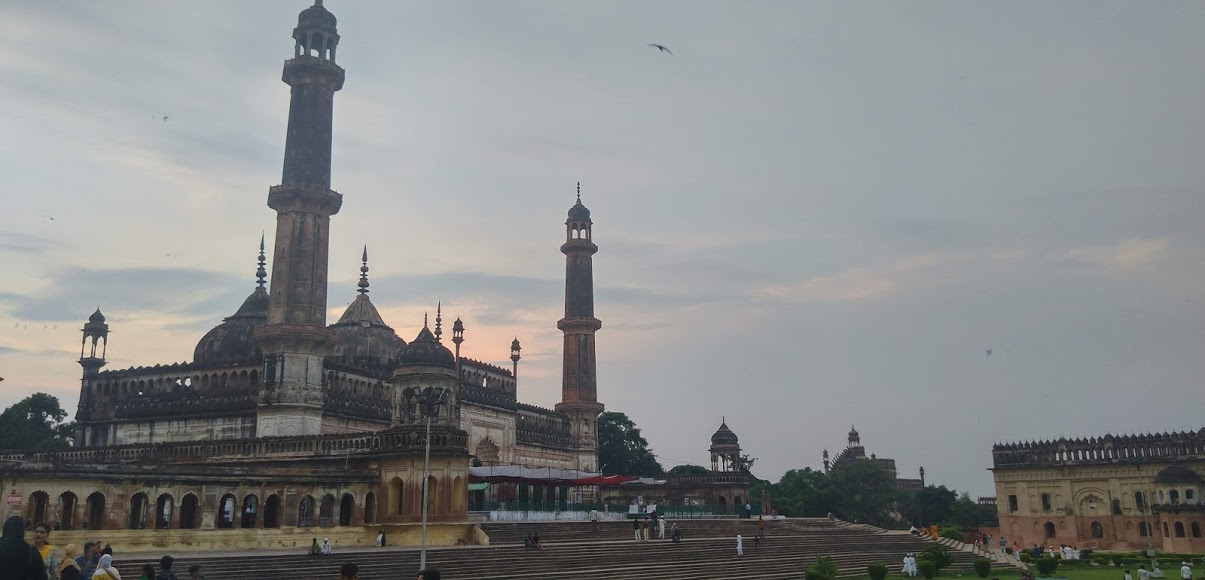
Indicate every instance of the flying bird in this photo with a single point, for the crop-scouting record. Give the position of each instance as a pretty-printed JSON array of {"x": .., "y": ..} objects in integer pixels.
[
  {"x": 989, "y": 353},
  {"x": 165, "y": 118},
  {"x": 661, "y": 47}
]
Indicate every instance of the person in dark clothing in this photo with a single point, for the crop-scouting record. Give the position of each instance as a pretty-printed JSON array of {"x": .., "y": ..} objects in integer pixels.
[
  {"x": 18, "y": 559},
  {"x": 165, "y": 568},
  {"x": 428, "y": 574},
  {"x": 108, "y": 551}
]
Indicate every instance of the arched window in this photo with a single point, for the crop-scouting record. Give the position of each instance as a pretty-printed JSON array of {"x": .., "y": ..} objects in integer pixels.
[
  {"x": 370, "y": 508},
  {"x": 138, "y": 509},
  {"x": 347, "y": 507},
  {"x": 188, "y": 511},
  {"x": 39, "y": 507},
  {"x": 1179, "y": 529},
  {"x": 1046, "y": 503},
  {"x": 395, "y": 496},
  {"x": 96, "y": 511},
  {"x": 226, "y": 511},
  {"x": 1098, "y": 531},
  {"x": 1165, "y": 532},
  {"x": 1143, "y": 529},
  {"x": 1139, "y": 500},
  {"x": 66, "y": 515},
  {"x": 305, "y": 512},
  {"x": 163, "y": 512},
  {"x": 1173, "y": 496},
  {"x": 1196, "y": 529},
  {"x": 432, "y": 495},
  {"x": 250, "y": 511},
  {"x": 272, "y": 512},
  {"x": 326, "y": 517},
  {"x": 1049, "y": 529}
]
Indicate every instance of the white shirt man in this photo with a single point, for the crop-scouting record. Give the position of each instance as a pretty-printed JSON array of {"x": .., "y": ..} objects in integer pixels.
[
  {"x": 1185, "y": 571},
  {"x": 1143, "y": 573},
  {"x": 740, "y": 545},
  {"x": 661, "y": 527}
]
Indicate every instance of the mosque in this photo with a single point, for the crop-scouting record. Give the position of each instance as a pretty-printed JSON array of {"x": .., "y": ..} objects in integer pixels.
[{"x": 284, "y": 420}]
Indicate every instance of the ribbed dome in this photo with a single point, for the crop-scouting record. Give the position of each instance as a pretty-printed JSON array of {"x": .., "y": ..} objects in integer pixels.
[
  {"x": 723, "y": 435},
  {"x": 425, "y": 350},
  {"x": 316, "y": 16},
  {"x": 96, "y": 317},
  {"x": 363, "y": 339},
  {"x": 853, "y": 433},
  {"x": 579, "y": 213},
  {"x": 1177, "y": 474},
  {"x": 233, "y": 340}
]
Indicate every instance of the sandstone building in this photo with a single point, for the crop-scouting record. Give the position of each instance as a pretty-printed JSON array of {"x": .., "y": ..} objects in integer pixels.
[
  {"x": 1112, "y": 492},
  {"x": 284, "y": 420}
]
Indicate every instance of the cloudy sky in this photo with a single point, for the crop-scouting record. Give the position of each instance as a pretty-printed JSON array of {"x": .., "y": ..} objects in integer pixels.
[{"x": 811, "y": 215}]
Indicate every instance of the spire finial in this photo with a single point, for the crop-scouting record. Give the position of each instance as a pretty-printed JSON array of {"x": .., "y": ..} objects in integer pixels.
[
  {"x": 579, "y": 192},
  {"x": 364, "y": 272},
  {"x": 261, "y": 273},
  {"x": 424, "y": 320},
  {"x": 438, "y": 320},
  {"x": 317, "y": 2}
]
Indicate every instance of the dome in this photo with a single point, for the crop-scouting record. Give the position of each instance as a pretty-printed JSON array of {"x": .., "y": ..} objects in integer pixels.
[
  {"x": 853, "y": 433},
  {"x": 363, "y": 339},
  {"x": 425, "y": 350},
  {"x": 579, "y": 212},
  {"x": 233, "y": 341},
  {"x": 1177, "y": 474},
  {"x": 723, "y": 435},
  {"x": 316, "y": 16},
  {"x": 96, "y": 317}
]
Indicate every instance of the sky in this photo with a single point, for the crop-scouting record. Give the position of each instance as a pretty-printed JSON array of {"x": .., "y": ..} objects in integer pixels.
[{"x": 809, "y": 216}]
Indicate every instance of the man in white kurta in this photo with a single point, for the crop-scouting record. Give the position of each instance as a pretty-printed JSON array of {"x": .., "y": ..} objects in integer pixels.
[{"x": 740, "y": 545}]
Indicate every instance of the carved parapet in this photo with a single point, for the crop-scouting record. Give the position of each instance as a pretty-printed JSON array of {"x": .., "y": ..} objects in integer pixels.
[
  {"x": 709, "y": 479},
  {"x": 488, "y": 397},
  {"x": 1109, "y": 449},
  {"x": 472, "y": 363}
]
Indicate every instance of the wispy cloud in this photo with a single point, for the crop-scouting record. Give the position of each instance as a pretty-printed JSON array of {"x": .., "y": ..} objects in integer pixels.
[{"x": 1125, "y": 255}]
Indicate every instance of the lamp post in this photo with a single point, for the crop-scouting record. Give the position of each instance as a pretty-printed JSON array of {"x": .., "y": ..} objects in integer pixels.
[
  {"x": 429, "y": 400},
  {"x": 921, "y": 497}
]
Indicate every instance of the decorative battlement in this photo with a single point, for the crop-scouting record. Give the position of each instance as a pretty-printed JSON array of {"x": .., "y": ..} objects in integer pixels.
[
  {"x": 490, "y": 397},
  {"x": 1101, "y": 450},
  {"x": 710, "y": 479},
  {"x": 466, "y": 361},
  {"x": 349, "y": 405},
  {"x": 133, "y": 371},
  {"x": 171, "y": 404},
  {"x": 540, "y": 426}
]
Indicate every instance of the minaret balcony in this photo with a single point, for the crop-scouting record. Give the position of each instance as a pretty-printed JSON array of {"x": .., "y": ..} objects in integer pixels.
[
  {"x": 311, "y": 70},
  {"x": 574, "y": 324},
  {"x": 305, "y": 197}
]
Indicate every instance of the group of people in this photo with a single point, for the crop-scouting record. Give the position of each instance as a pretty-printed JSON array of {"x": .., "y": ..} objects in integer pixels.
[
  {"x": 989, "y": 544},
  {"x": 532, "y": 542},
  {"x": 40, "y": 560},
  {"x": 641, "y": 527},
  {"x": 324, "y": 551}
]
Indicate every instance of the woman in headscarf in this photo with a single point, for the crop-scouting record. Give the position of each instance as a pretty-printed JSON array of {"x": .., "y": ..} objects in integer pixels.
[
  {"x": 18, "y": 559},
  {"x": 69, "y": 568},
  {"x": 105, "y": 569}
]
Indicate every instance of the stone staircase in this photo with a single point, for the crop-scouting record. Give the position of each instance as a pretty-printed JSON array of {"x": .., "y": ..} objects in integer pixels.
[{"x": 573, "y": 550}]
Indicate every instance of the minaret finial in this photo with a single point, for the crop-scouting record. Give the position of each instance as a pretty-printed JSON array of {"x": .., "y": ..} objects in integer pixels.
[
  {"x": 317, "y": 2},
  {"x": 364, "y": 272},
  {"x": 424, "y": 320},
  {"x": 438, "y": 321},
  {"x": 261, "y": 273},
  {"x": 579, "y": 192}
]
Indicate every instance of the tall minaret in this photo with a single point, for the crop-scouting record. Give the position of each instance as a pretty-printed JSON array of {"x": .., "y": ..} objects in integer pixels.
[
  {"x": 579, "y": 386},
  {"x": 295, "y": 338}
]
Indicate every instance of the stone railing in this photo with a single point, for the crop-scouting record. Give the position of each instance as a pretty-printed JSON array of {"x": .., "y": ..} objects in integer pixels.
[
  {"x": 713, "y": 478},
  {"x": 563, "y": 441},
  {"x": 1102, "y": 450},
  {"x": 483, "y": 396},
  {"x": 398, "y": 439}
]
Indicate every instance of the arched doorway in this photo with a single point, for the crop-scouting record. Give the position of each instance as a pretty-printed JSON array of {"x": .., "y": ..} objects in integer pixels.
[
  {"x": 1144, "y": 529},
  {"x": 66, "y": 516},
  {"x": 188, "y": 512},
  {"x": 226, "y": 511},
  {"x": 96, "y": 511},
  {"x": 326, "y": 513},
  {"x": 39, "y": 507},
  {"x": 138, "y": 511},
  {"x": 432, "y": 495},
  {"x": 250, "y": 511},
  {"x": 1179, "y": 529},
  {"x": 370, "y": 508},
  {"x": 347, "y": 506},
  {"x": 1049, "y": 527},
  {"x": 163, "y": 512},
  {"x": 395, "y": 496},
  {"x": 1098, "y": 531},
  {"x": 272, "y": 512},
  {"x": 305, "y": 512},
  {"x": 460, "y": 495}
]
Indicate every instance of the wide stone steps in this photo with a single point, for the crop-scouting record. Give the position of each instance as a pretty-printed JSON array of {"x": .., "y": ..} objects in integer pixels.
[{"x": 784, "y": 555}]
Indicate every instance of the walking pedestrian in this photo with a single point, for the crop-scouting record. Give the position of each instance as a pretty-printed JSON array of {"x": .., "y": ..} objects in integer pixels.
[
  {"x": 740, "y": 545},
  {"x": 661, "y": 527},
  {"x": 636, "y": 528},
  {"x": 761, "y": 527},
  {"x": 594, "y": 521}
]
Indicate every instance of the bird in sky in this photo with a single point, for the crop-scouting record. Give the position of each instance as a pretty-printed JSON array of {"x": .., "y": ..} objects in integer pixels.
[
  {"x": 660, "y": 47},
  {"x": 989, "y": 353}
]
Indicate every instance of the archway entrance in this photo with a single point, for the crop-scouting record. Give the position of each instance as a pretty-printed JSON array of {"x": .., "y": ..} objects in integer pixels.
[
  {"x": 96, "y": 511},
  {"x": 188, "y": 512},
  {"x": 67, "y": 503},
  {"x": 346, "y": 507},
  {"x": 272, "y": 512}
]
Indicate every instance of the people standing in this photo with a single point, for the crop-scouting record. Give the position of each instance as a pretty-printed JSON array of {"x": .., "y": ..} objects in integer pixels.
[
  {"x": 18, "y": 559},
  {"x": 105, "y": 569},
  {"x": 41, "y": 543},
  {"x": 644, "y": 529},
  {"x": 1143, "y": 574},
  {"x": 740, "y": 545},
  {"x": 761, "y": 527},
  {"x": 594, "y": 521},
  {"x": 1126, "y": 575},
  {"x": 69, "y": 568},
  {"x": 380, "y": 539},
  {"x": 315, "y": 550},
  {"x": 636, "y": 528},
  {"x": 1185, "y": 571},
  {"x": 661, "y": 527},
  {"x": 165, "y": 568},
  {"x": 748, "y": 511}
]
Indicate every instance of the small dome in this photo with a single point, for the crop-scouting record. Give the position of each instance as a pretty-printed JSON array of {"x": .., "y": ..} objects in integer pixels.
[
  {"x": 1177, "y": 474},
  {"x": 579, "y": 213},
  {"x": 853, "y": 433},
  {"x": 97, "y": 317},
  {"x": 316, "y": 16},
  {"x": 233, "y": 341},
  {"x": 363, "y": 339},
  {"x": 723, "y": 435},
  {"x": 425, "y": 350}
]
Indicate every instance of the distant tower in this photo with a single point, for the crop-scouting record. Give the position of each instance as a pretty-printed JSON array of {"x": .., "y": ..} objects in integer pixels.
[
  {"x": 515, "y": 349},
  {"x": 725, "y": 449},
  {"x": 579, "y": 385},
  {"x": 96, "y": 331},
  {"x": 457, "y": 338},
  {"x": 826, "y": 460},
  {"x": 854, "y": 439},
  {"x": 295, "y": 339}
]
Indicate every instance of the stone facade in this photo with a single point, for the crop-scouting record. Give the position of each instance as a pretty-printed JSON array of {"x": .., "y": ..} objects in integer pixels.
[{"x": 1111, "y": 492}]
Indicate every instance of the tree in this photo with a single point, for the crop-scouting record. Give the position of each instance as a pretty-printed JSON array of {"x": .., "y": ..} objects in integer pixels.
[
  {"x": 35, "y": 422},
  {"x": 744, "y": 464},
  {"x": 803, "y": 492},
  {"x": 684, "y": 470},
  {"x": 927, "y": 505},
  {"x": 968, "y": 514},
  {"x": 866, "y": 491},
  {"x": 622, "y": 450}
]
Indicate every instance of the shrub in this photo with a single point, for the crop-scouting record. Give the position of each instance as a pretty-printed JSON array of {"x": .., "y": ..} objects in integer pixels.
[
  {"x": 983, "y": 567},
  {"x": 1008, "y": 550},
  {"x": 927, "y": 568},
  {"x": 1129, "y": 562},
  {"x": 876, "y": 571},
  {"x": 1100, "y": 561},
  {"x": 952, "y": 533},
  {"x": 937, "y": 554},
  {"x": 1047, "y": 565},
  {"x": 1026, "y": 557},
  {"x": 823, "y": 569}
]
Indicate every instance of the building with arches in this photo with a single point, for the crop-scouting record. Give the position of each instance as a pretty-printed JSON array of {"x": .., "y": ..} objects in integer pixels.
[
  {"x": 1113, "y": 492},
  {"x": 283, "y": 420},
  {"x": 854, "y": 451}
]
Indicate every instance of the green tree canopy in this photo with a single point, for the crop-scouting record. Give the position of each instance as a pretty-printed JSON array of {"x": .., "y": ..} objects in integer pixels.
[
  {"x": 866, "y": 491},
  {"x": 926, "y": 506},
  {"x": 682, "y": 470},
  {"x": 35, "y": 422},
  {"x": 622, "y": 450}
]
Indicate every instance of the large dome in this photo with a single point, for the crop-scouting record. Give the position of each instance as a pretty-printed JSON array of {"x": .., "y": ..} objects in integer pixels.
[
  {"x": 426, "y": 350},
  {"x": 233, "y": 341},
  {"x": 363, "y": 339},
  {"x": 723, "y": 435},
  {"x": 1177, "y": 474}
]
